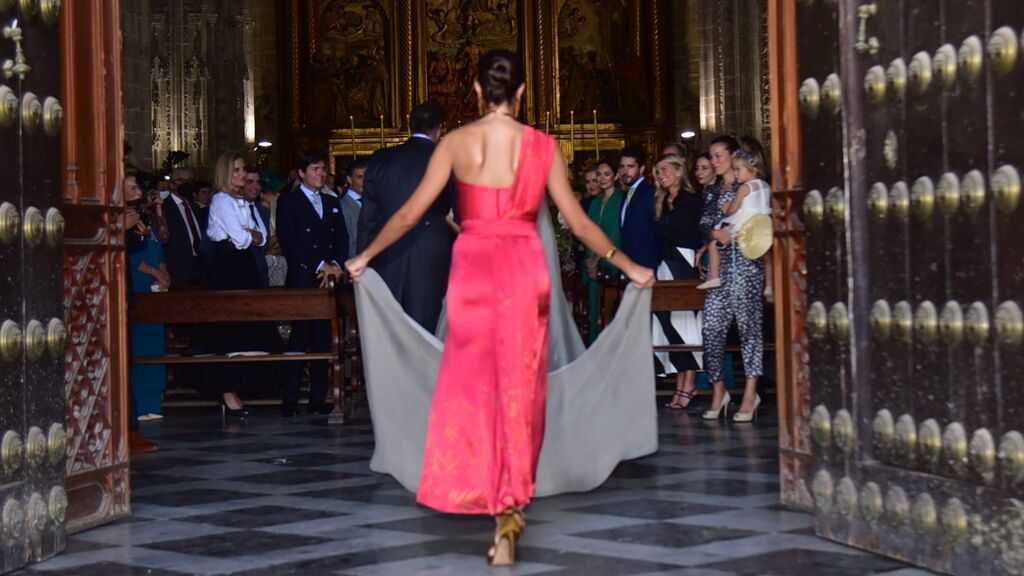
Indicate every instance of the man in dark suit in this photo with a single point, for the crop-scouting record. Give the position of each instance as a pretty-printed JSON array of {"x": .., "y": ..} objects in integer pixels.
[
  {"x": 416, "y": 267},
  {"x": 311, "y": 231},
  {"x": 639, "y": 234},
  {"x": 183, "y": 250},
  {"x": 260, "y": 215}
]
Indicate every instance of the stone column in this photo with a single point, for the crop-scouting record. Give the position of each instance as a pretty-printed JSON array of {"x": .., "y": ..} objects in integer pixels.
[
  {"x": 733, "y": 68},
  {"x": 136, "y": 82}
]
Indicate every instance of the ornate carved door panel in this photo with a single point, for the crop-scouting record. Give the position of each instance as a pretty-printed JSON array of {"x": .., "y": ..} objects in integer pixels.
[
  {"x": 32, "y": 333},
  {"x": 96, "y": 378},
  {"x": 912, "y": 142}
]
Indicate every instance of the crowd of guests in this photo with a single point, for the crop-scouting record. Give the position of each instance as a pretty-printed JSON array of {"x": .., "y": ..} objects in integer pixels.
[
  {"x": 681, "y": 219},
  {"x": 248, "y": 229}
]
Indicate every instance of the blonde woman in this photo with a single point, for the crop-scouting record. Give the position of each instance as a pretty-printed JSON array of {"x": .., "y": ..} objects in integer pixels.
[
  {"x": 232, "y": 230},
  {"x": 677, "y": 210}
]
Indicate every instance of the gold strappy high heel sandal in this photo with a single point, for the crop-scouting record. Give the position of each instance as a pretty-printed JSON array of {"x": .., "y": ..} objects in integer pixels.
[{"x": 510, "y": 525}]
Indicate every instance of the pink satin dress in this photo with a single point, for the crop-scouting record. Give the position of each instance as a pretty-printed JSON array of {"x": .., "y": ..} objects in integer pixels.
[{"x": 487, "y": 417}]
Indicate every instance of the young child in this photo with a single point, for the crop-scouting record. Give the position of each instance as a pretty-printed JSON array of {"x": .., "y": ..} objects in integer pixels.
[{"x": 753, "y": 197}]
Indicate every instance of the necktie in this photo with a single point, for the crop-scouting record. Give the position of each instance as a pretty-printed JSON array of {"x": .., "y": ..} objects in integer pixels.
[
  {"x": 255, "y": 218},
  {"x": 193, "y": 228},
  {"x": 314, "y": 197}
]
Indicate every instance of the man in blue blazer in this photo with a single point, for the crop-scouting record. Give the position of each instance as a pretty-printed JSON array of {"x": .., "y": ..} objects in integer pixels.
[
  {"x": 639, "y": 234},
  {"x": 312, "y": 234}
]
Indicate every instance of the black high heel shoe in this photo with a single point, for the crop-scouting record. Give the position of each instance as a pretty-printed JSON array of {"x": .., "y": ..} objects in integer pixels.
[{"x": 226, "y": 410}]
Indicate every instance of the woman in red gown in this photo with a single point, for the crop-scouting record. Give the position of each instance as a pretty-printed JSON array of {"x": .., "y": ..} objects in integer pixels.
[{"x": 487, "y": 417}]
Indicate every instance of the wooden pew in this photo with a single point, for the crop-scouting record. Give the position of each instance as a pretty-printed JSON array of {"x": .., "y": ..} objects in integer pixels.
[{"x": 268, "y": 305}]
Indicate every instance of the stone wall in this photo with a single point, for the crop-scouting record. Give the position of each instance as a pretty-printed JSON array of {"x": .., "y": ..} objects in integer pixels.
[
  {"x": 734, "y": 97},
  {"x": 198, "y": 76},
  {"x": 685, "y": 65}
]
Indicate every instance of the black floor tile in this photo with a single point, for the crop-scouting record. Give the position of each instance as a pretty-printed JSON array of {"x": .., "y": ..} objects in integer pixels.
[
  {"x": 451, "y": 525},
  {"x": 192, "y": 497},
  {"x": 313, "y": 459},
  {"x": 232, "y": 544},
  {"x": 802, "y": 562},
  {"x": 260, "y": 517},
  {"x": 247, "y": 448},
  {"x": 637, "y": 470},
  {"x": 650, "y": 509},
  {"x": 159, "y": 462},
  {"x": 296, "y": 476},
  {"x": 725, "y": 487},
  {"x": 667, "y": 535},
  {"x": 109, "y": 569}
]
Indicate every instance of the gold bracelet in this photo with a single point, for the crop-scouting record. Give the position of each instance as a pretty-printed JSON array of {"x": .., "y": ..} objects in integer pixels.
[{"x": 610, "y": 254}]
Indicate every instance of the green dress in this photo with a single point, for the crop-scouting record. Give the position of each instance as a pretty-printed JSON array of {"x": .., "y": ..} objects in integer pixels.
[{"x": 607, "y": 215}]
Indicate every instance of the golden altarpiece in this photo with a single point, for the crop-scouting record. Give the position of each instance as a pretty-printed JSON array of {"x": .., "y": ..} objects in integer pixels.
[{"x": 598, "y": 71}]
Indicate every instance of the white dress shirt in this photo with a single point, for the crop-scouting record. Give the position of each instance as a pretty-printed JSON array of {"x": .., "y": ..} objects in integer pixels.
[{"x": 230, "y": 219}]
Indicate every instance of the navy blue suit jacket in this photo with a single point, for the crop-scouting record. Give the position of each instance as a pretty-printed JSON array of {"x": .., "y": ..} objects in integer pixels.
[
  {"x": 639, "y": 231},
  {"x": 306, "y": 239}
]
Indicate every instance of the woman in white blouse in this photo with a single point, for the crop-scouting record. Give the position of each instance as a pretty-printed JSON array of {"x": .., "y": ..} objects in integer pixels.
[{"x": 232, "y": 230}]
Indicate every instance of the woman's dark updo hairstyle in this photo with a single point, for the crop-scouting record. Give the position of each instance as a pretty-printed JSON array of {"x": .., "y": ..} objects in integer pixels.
[
  {"x": 500, "y": 74},
  {"x": 730, "y": 143}
]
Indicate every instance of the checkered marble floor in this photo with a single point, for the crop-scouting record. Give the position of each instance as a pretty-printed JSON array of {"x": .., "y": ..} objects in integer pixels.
[{"x": 281, "y": 497}]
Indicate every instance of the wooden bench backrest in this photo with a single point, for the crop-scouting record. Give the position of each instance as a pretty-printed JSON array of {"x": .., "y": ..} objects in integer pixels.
[
  {"x": 674, "y": 295},
  {"x": 197, "y": 307}
]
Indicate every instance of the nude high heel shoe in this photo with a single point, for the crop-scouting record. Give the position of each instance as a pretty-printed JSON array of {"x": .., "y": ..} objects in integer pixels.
[
  {"x": 748, "y": 416},
  {"x": 722, "y": 412}
]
